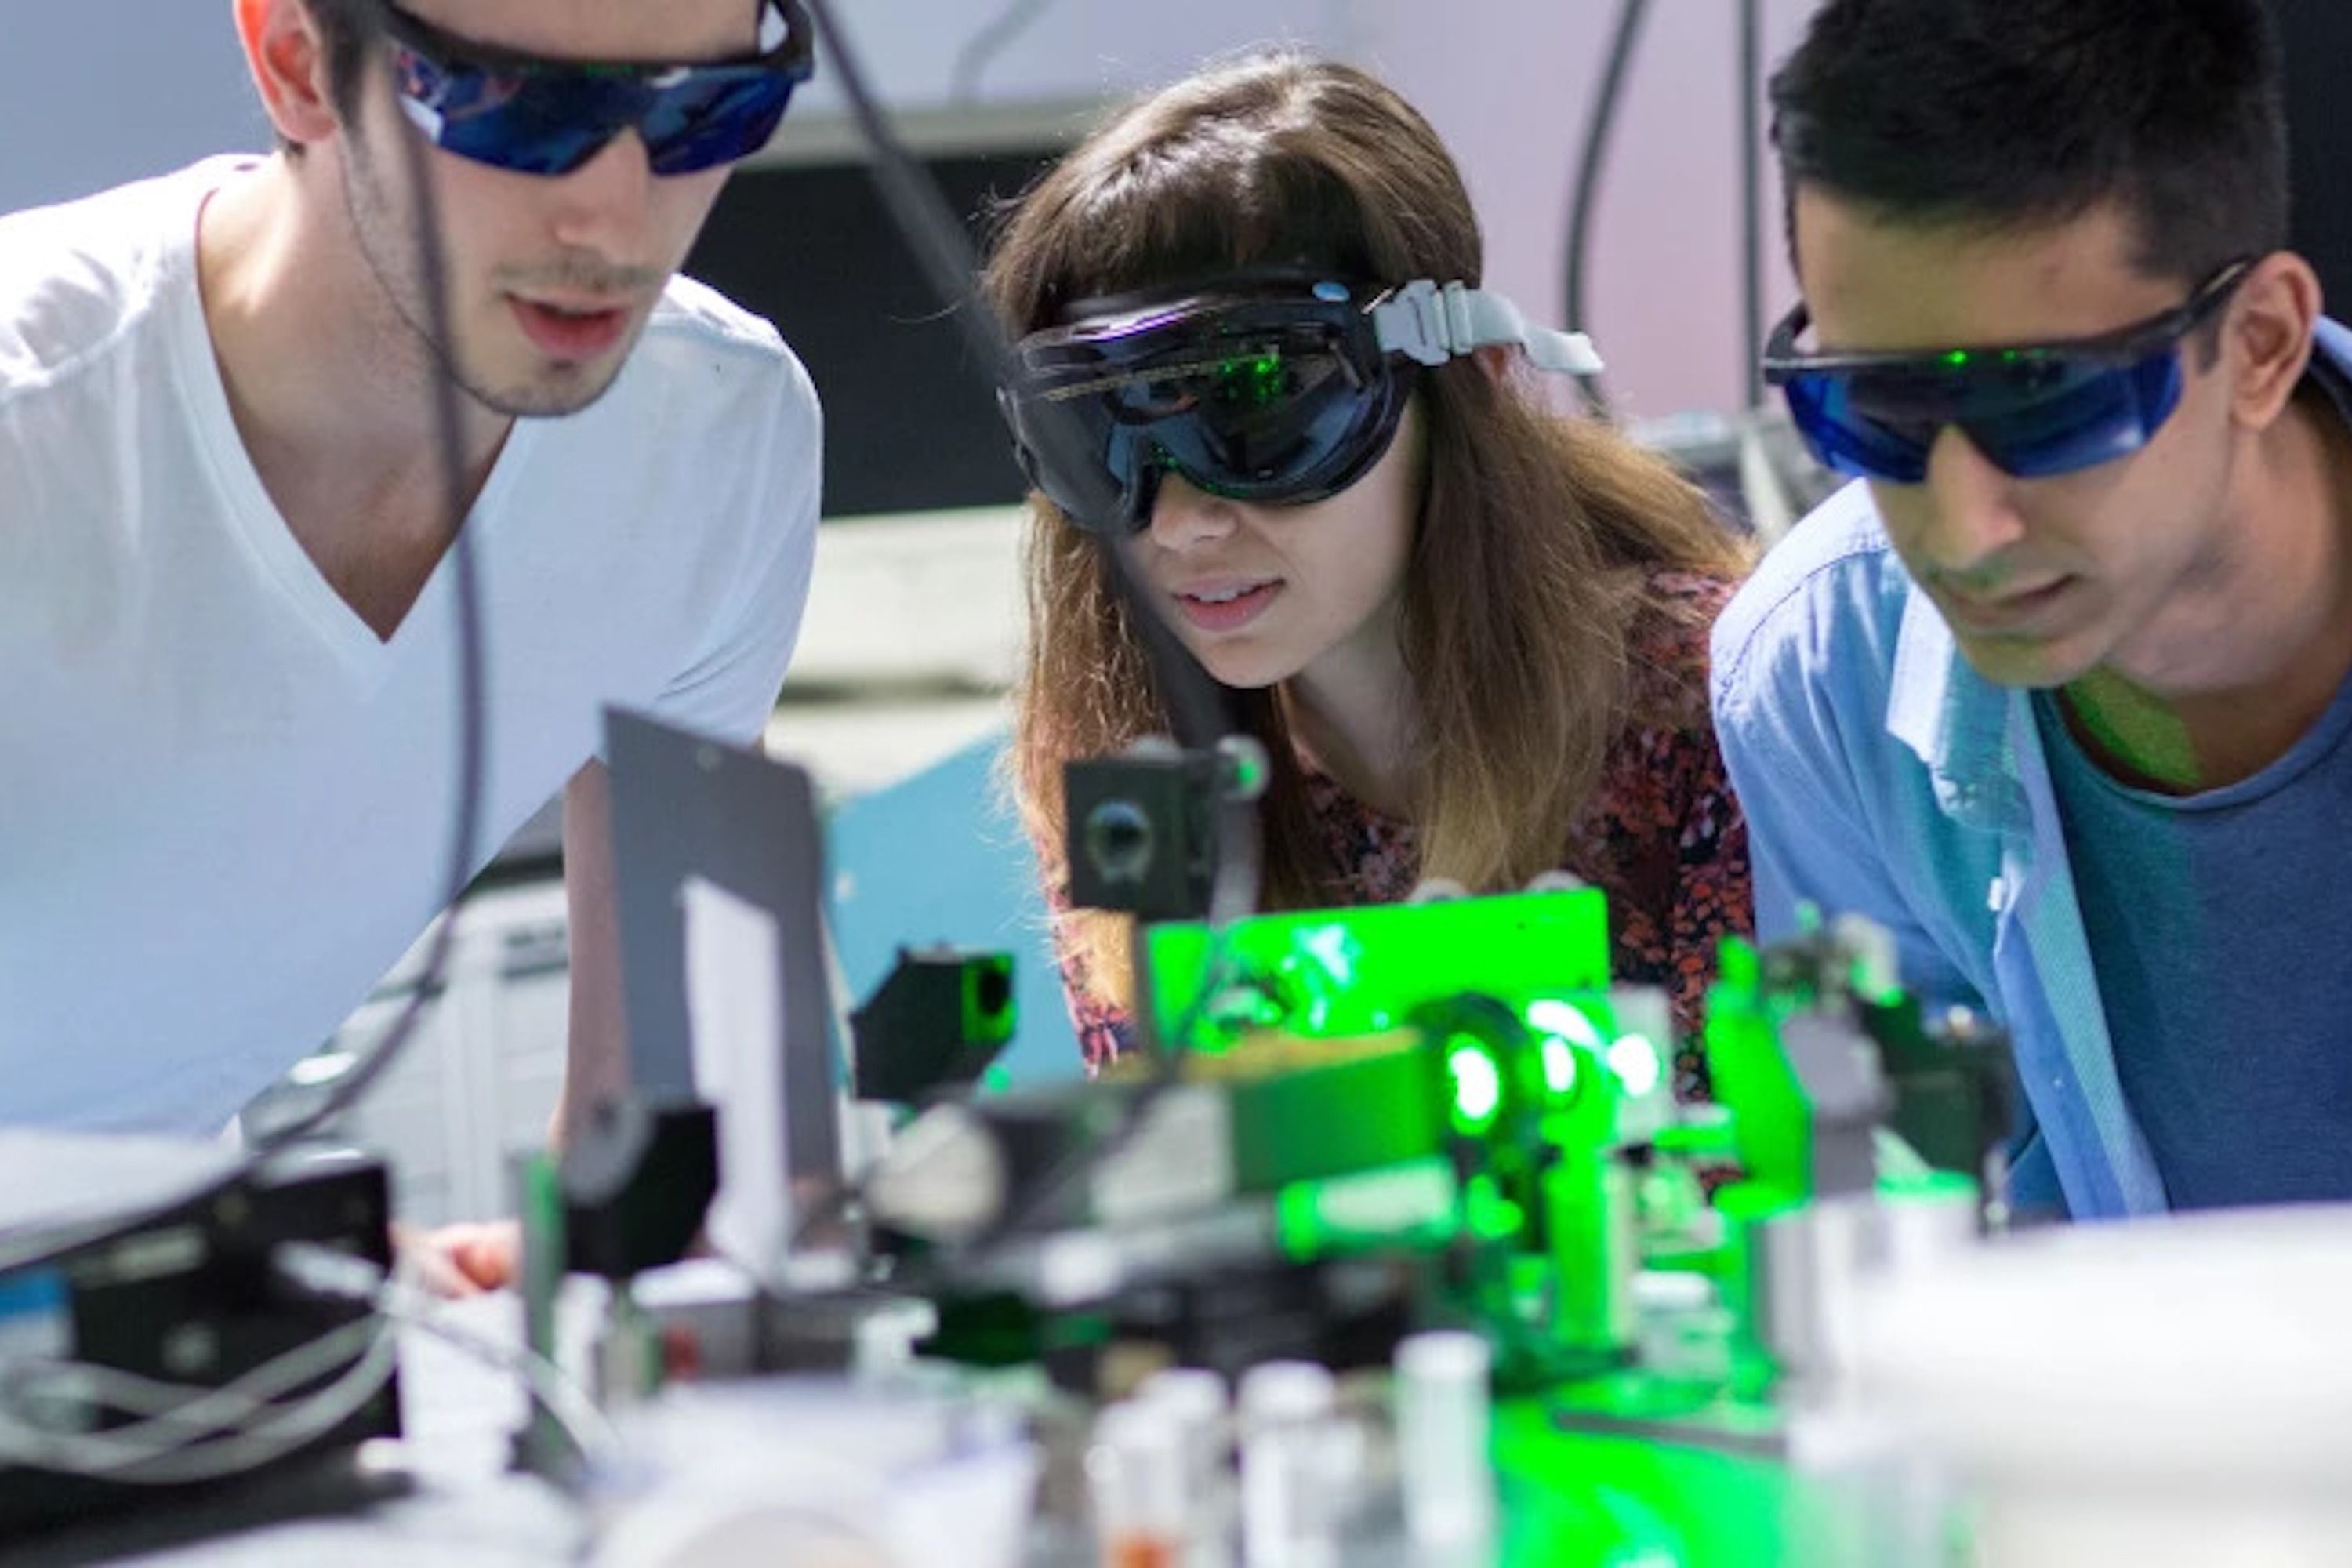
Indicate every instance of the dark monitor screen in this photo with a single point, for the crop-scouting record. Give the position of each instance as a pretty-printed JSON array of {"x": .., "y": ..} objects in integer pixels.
[{"x": 910, "y": 419}]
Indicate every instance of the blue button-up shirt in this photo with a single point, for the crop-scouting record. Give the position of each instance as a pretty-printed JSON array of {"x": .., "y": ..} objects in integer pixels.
[{"x": 1882, "y": 776}]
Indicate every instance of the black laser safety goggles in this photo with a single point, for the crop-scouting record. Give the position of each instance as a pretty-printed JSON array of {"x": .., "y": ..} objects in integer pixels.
[
  {"x": 537, "y": 116},
  {"x": 2035, "y": 411},
  {"x": 1277, "y": 388}
]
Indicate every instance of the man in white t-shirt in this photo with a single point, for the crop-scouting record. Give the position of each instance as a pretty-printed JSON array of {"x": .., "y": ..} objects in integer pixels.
[{"x": 227, "y": 716}]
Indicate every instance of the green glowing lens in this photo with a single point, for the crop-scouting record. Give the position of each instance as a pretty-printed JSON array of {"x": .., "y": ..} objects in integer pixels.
[
  {"x": 1635, "y": 1062},
  {"x": 1477, "y": 1083},
  {"x": 1251, "y": 382},
  {"x": 1552, "y": 1015},
  {"x": 1559, "y": 1066}
]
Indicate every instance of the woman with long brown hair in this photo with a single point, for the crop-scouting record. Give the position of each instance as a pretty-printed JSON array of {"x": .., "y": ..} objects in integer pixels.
[{"x": 1471, "y": 632}]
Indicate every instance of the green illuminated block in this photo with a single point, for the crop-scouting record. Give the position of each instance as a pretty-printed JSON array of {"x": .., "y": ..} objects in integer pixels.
[
  {"x": 1303, "y": 1110},
  {"x": 1328, "y": 973},
  {"x": 1771, "y": 1123},
  {"x": 1588, "y": 1213}
]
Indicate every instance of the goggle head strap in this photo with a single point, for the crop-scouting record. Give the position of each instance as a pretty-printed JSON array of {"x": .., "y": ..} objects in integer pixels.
[{"x": 1431, "y": 324}]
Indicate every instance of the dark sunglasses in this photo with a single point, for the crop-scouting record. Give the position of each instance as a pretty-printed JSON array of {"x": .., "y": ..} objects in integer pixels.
[
  {"x": 536, "y": 116},
  {"x": 2035, "y": 411},
  {"x": 1276, "y": 387}
]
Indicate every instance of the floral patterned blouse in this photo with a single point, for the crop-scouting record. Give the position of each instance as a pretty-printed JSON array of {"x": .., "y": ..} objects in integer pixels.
[{"x": 1661, "y": 837}]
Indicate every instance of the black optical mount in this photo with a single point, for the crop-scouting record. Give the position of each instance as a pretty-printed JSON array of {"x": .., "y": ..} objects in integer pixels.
[
  {"x": 1144, "y": 826},
  {"x": 936, "y": 1022},
  {"x": 637, "y": 1182}
]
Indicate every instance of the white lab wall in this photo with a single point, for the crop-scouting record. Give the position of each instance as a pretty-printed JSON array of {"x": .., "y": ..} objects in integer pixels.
[{"x": 96, "y": 91}]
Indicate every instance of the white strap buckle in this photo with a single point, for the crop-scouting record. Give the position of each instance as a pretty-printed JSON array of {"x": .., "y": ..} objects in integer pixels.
[{"x": 1432, "y": 325}]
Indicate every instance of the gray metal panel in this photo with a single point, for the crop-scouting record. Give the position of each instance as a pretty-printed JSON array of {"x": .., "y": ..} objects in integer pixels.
[{"x": 687, "y": 806}]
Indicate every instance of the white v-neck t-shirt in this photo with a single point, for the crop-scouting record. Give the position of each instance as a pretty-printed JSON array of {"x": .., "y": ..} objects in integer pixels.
[{"x": 224, "y": 802}]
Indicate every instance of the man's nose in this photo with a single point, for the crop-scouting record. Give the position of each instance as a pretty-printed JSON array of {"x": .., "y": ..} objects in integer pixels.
[
  {"x": 1971, "y": 508},
  {"x": 602, "y": 205}
]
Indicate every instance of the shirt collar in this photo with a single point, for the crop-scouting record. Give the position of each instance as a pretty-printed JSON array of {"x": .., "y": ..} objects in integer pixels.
[{"x": 1961, "y": 726}]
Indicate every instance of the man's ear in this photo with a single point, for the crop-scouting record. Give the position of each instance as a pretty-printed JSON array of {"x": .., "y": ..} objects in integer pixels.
[
  {"x": 288, "y": 62},
  {"x": 1499, "y": 361},
  {"x": 2268, "y": 341}
]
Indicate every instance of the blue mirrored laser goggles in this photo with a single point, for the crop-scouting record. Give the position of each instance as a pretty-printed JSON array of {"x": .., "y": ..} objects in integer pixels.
[
  {"x": 2035, "y": 411},
  {"x": 1276, "y": 389},
  {"x": 536, "y": 116}
]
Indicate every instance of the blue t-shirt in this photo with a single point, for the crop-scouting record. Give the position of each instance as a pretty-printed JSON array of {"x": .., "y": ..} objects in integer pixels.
[{"x": 2220, "y": 928}]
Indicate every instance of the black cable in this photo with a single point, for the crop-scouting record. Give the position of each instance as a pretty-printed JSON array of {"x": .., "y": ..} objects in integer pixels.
[
  {"x": 1751, "y": 200},
  {"x": 997, "y": 36},
  {"x": 1196, "y": 704},
  {"x": 449, "y": 452},
  {"x": 1590, "y": 165},
  {"x": 51, "y": 1245},
  {"x": 1198, "y": 708}
]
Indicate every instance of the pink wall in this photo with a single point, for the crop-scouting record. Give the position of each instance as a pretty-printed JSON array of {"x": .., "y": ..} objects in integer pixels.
[{"x": 1508, "y": 83}]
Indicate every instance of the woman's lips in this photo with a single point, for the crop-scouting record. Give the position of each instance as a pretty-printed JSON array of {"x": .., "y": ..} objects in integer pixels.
[{"x": 1226, "y": 607}]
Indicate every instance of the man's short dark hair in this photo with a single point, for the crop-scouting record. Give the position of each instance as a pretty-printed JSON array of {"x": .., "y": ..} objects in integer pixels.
[{"x": 2006, "y": 114}]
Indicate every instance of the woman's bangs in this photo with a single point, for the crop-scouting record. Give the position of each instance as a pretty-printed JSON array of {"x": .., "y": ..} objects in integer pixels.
[{"x": 1180, "y": 218}]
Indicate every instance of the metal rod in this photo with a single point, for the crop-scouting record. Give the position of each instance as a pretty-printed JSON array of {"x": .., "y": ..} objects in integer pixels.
[{"x": 1751, "y": 199}]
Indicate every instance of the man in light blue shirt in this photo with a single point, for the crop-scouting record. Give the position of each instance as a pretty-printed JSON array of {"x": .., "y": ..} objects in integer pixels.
[{"x": 2058, "y": 694}]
